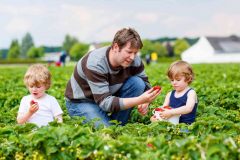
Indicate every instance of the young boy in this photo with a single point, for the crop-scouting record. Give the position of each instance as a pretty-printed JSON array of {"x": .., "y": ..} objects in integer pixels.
[
  {"x": 38, "y": 107},
  {"x": 183, "y": 99}
]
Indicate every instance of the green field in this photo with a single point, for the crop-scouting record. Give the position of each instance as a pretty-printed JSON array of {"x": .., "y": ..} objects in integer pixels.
[{"x": 214, "y": 135}]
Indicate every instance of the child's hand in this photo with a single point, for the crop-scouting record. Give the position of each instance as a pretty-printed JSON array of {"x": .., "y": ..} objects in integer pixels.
[
  {"x": 33, "y": 107},
  {"x": 59, "y": 118},
  {"x": 166, "y": 114},
  {"x": 143, "y": 108},
  {"x": 153, "y": 119}
]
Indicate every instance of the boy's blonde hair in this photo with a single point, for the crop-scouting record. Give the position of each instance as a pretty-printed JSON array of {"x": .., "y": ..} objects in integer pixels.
[
  {"x": 37, "y": 75},
  {"x": 181, "y": 68}
]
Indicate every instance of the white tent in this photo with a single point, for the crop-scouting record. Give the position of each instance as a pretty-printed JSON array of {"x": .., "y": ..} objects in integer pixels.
[{"x": 214, "y": 50}]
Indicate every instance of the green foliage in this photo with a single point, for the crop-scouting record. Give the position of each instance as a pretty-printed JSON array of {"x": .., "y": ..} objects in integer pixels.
[
  {"x": 34, "y": 52},
  {"x": 190, "y": 41},
  {"x": 214, "y": 135},
  {"x": 21, "y": 61},
  {"x": 150, "y": 47},
  {"x": 147, "y": 48},
  {"x": 14, "y": 50},
  {"x": 27, "y": 43},
  {"x": 180, "y": 46},
  {"x": 160, "y": 49},
  {"x": 1, "y": 54},
  {"x": 68, "y": 43},
  {"x": 106, "y": 43},
  {"x": 78, "y": 50},
  {"x": 51, "y": 49}
]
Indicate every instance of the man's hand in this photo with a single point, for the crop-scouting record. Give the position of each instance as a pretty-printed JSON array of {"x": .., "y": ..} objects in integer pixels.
[
  {"x": 145, "y": 98},
  {"x": 143, "y": 108},
  {"x": 150, "y": 95}
]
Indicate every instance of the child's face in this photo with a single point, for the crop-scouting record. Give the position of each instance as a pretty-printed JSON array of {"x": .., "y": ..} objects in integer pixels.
[
  {"x": 37, "y": 91},
  {"x": 179, "y": 83}
]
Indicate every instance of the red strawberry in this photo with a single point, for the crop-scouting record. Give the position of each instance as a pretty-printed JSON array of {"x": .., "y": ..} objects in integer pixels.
[
  {"x": 167, "y": 107},
  {"x": 33, "y": 102},
  {"x": 157, "y": 88},
  {"x": 150, "y": 145},
  {"x": 159, "y": 109}
]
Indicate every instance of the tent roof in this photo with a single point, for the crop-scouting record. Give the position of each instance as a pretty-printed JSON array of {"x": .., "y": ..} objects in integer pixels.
[{"x": 229, "y": 44}]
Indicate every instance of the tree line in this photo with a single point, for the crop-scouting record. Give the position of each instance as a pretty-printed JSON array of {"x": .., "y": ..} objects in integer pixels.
[{"x": 76, "y": 49}]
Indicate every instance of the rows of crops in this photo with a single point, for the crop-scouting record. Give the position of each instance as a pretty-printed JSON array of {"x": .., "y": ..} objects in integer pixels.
[{"x": 214, "y": 135}]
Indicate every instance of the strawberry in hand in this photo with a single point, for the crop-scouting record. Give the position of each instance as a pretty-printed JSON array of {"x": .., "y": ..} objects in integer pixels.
[
  {"x": 157, "y": 88},
  {"x": 167, "y": 107},
  {"x": 159, "y": 109},
  {"x": 33, "y": 102},
  {"x": 33, "y": 107}
]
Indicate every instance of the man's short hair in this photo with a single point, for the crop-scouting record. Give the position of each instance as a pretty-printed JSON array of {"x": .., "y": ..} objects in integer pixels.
[{"x": 125, "y": 35}]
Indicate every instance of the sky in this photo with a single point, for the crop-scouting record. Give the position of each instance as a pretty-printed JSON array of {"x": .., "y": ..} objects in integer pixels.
[{"x": 96, "y": 21}]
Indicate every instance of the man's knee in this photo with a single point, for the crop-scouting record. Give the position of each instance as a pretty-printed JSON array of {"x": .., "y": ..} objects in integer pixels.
[
  {"x": 72, "y": 108},
  {"x": 133, "y": 86},
  {"x": 90, "y": 111},
  {"x": 137, "y": 83}
]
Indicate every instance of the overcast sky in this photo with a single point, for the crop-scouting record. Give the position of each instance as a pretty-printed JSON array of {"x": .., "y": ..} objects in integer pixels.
[{"x": 97, "y": 20}]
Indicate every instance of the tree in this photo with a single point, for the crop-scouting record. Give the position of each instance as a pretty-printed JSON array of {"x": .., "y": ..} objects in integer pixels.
[
  {"x": 180, "y": 46},
  {"x": 1, "y": 54},
  {"x": 78, "y": 50},
  {"x": 68, "y": 43},
  {"x": 34, "y": 52},
  {"x": 159, "y": 49},
  {"x": 14, "y": 50},
  {"x": 148, "y": 48},
  {"x": 27, "y": 43}
]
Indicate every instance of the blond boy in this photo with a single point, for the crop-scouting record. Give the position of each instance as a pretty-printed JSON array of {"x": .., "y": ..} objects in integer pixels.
[{"x": 38, "y": 107}]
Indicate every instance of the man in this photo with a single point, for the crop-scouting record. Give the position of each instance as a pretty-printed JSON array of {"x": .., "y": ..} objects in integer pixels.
[{"x": 110, "y": 80}]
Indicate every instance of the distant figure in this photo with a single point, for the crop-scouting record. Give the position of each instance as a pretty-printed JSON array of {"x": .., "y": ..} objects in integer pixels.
[
  {"x": 148, "y": 59},
  {"x": 169, "y": 49},
  {"x": 154, "y": 57},
  {"x": 63, "y": 58}
]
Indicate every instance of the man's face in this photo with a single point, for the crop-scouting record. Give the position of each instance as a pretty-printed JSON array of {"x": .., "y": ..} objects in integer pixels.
[{"x": 125, "y": 56}]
